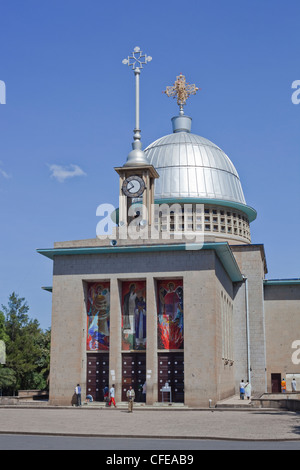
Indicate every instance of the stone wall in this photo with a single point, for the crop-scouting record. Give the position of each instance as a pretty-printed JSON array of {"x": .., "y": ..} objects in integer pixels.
[
  {"x": 282, "y": 314},
  {"x": 251, "y": 262},
  {"x": 203, "y": 278}
]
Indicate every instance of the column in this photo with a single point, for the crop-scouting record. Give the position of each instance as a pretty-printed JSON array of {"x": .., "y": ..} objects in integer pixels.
[
  {"x": 151, "y": 356},
  {"x": 115, "y": 357}
]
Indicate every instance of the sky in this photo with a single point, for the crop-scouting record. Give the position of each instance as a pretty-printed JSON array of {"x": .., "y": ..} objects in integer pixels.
[{"x": 67, "y": 115}]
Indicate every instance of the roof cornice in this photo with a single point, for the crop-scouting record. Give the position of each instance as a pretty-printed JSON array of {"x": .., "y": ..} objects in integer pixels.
[
  {"x": 221, "y": 249},
  {"x": 248, "y": 210},
  {"x": 281, "y": 282}
]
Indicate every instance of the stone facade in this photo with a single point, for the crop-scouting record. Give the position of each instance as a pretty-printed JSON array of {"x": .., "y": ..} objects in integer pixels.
[
  {"x": 251, "y": 343},
  {"x": 233, "y": 328},
  {"x": 204, "y": 278},
  {"x": 282, "y": 320}
]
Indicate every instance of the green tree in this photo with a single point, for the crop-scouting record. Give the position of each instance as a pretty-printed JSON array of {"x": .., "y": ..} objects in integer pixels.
[
  {"x": 27, "y": 346},
  {"x": 7, "y": 379},
  {"x": 3, "y": 335},
  {"x": 16, "y": 315}
]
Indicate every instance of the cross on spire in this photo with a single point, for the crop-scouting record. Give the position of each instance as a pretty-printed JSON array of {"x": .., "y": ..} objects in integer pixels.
[
  {"x": 137, "y": 59},
  {"x": 181, "y": 90}
]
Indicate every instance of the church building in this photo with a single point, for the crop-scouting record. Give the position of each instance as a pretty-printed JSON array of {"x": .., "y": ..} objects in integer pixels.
[{"x": 177, "y": 296}]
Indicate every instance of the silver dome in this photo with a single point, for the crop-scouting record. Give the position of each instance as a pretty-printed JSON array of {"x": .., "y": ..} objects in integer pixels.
[{"x": 191, "y": 166}]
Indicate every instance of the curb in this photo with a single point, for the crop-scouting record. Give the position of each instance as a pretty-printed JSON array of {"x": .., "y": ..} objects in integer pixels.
[{"x": 118, "y": 436}]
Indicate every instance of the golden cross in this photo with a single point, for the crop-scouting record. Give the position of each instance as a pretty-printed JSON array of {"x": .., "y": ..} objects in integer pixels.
[{"x": 182, "y": 90}]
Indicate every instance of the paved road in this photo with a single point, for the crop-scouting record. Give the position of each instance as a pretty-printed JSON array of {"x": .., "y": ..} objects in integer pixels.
[
  {"x": 256, "y": 425},
  {"x": 183, "y": 446}
]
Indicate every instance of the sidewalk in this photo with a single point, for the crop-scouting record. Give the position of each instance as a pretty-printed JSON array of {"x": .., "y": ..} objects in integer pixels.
[
  {"x": 234, "y": 402},
  {"x": 162, "y": 422}
]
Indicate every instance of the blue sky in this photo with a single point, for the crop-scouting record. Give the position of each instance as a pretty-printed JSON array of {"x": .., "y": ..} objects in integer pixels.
[{"x": 70, "y": 106}]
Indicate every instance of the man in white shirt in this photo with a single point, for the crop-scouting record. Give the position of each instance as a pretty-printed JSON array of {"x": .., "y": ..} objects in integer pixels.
[{"x": 112, "y": 396}]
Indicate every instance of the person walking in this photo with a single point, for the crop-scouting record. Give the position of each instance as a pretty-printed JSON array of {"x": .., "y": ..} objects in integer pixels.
[
  {"x": 144, "y": 392},
  {"x": 78, "y": 394},
  {"x": 106, "y": 395},
  {"x": 294, "y": 385},
  {"x": 283, "y": 386},
  {"x": 242, "y": 390},
  {"x": 112, "y": 396},
  {"x": 130, "y": 396},
  {"x": 248, "y": 390}
]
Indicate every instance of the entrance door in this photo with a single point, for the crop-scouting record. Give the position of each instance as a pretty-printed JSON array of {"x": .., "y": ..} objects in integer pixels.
[
  {"x": 276, "y": 383},
  {"x": 171, "y": 371},
  {"x": 134, "y": 374},
  {"x": 97, "y": 374}
]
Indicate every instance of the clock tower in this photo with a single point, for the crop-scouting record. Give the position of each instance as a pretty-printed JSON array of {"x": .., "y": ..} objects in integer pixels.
[{"x": 136, "y": 188}]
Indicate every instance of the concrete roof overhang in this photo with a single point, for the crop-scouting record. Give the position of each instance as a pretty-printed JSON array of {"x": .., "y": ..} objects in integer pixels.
[{"x": 222, "y": 250}]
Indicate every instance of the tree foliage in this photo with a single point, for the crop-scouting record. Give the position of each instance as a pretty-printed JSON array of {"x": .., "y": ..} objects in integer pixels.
[{"x": 27, "y": 348}]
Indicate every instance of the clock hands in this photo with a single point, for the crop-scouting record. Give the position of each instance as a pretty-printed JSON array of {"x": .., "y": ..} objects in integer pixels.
[{"x": 133, "y": 186}]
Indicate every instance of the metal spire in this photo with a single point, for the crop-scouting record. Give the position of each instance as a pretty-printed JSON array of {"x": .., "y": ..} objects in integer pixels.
[{"x": 136, "y": 61}]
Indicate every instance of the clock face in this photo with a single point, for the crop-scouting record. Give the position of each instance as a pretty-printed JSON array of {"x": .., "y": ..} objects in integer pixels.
[{"x": 133, "y": 186}]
